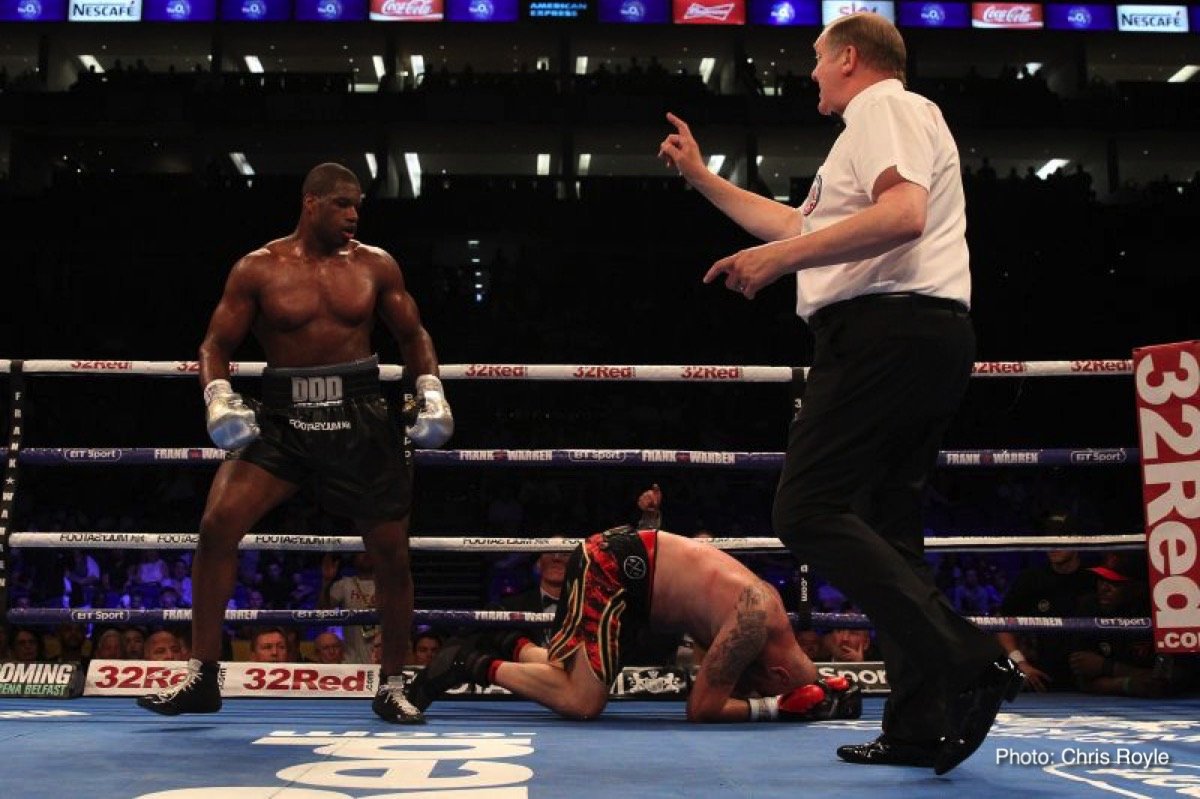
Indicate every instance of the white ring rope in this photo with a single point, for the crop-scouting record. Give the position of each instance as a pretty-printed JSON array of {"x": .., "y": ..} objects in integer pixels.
[
  {"x": 582, "y": 372},
  {"x": 345, "y": 543}
]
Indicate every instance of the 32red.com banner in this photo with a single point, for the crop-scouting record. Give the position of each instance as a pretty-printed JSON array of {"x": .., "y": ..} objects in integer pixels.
[{"x": 1167, "y": 382}]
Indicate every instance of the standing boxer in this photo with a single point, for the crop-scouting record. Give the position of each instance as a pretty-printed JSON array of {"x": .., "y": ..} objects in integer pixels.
[{"x": 311, "y": 299}]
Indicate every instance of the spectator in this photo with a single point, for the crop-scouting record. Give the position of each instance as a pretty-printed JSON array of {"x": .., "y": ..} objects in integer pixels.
[
  {"x": 70, "y": 643},
  {"x": 1054, "y": 589},
  {"x": 354, "y": 592},
  {"x": 292, "y": 635},
  {"x": 829, "y": 598},
  {"x": 1115, "y": 664},
  {"x": 82, "y": 579},
  {"x": 168, "y": 599},
  {"x": 813, "y": 644},
  {"x": 153, "y": 569},
  {"x": 107, "y": 645},
  {"x": 163, "y": 645},
  {"x": 268, "y": 645},
  {"x": 425, "y": 646},
  {"x": 328, "y": 647},
  {"x": 180, "y": 581},
  {"x": 301, "y": 593},
  {"x": 550, "y": 570},
  {"x": 133, "y": 643},
  {"x": 27, "y": 645},
  {"x": 275, "y": 587},
  {"x": 970, "y": 597},
  {"x": 849, "y": 646}
]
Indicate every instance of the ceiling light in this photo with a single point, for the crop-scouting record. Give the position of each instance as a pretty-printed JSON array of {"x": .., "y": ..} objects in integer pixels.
[
  {"x": 413, "y": 162},
  {"x": 1051, "y": 166},
  {"x": 91, "y": 64},
  {"x": 242, "y": 164},
  {"x": 1184, "y": 74}
]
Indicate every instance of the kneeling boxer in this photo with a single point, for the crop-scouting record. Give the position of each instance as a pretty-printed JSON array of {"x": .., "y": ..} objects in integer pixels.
[{"x": 619, "y": 580}]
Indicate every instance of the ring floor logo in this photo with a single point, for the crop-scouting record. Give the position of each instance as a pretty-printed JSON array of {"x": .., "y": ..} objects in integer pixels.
[
  {"x": 360, "y": 764},
  {"x": 1176, "y": 779}
]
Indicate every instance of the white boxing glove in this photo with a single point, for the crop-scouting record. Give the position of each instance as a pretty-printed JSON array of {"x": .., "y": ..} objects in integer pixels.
[
  {"x": 231, "y": 425},
  {"x": 434, "y": 424}
]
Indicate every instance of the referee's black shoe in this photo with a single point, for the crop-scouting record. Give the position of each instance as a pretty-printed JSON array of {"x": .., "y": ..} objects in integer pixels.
[
  {"x": 884, "y": 751},
  {"x": 974, "y": 710}
]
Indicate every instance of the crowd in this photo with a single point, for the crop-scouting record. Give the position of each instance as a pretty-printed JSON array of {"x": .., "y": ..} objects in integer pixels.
[{"x": 1057, "y": 583}]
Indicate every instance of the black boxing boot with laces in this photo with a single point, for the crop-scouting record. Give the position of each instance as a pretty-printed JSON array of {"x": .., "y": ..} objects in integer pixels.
[
  {"x": 200, "y": 692},
  {"x": 392, "y": 704}
]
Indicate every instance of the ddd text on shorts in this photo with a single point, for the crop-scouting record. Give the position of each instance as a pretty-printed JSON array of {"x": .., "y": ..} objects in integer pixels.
[{"x": 1079, "y": 756}]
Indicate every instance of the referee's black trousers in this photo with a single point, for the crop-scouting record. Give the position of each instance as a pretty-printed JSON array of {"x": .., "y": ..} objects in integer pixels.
[{"x": 889, "y": 372}]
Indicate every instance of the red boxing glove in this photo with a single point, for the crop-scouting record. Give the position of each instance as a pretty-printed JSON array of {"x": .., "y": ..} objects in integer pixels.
[
  {"x": 802, "y": 704},
  {"x": 829, "y": 698}
]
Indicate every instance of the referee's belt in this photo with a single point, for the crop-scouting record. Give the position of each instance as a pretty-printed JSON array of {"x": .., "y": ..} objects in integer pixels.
[{"x": 834, "y": 311}]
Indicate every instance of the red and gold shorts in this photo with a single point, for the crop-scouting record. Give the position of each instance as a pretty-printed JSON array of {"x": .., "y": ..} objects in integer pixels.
[{"x": 606, "y": 597}]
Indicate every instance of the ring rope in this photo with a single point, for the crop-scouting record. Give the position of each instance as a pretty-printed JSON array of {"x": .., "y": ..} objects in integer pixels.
[
  {"x": 584, "y": 372},
  {"x": 507, "y": 618},
  {"x": 952, "y": 459},
  {"x": 305, "y": 542}
]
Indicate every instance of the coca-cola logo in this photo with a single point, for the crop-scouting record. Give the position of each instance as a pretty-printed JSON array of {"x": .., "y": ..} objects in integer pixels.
[
  {"x": 1007, "y": 15},
  {"x": 1015, "y": 14},
  {"x": 407, "y": 8}
]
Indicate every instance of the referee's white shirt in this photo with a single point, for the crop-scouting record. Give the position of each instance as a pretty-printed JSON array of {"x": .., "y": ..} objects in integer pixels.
[{"x": 887, "y": 126}]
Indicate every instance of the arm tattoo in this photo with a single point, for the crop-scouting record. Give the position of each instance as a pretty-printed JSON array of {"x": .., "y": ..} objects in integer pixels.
[{"x": 729, "y": 658}]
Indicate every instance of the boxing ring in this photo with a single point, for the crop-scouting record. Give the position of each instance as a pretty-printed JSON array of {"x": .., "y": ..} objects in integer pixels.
[
  {"x": 104, "y": 746},
  {"x": 335, "y": 749}
]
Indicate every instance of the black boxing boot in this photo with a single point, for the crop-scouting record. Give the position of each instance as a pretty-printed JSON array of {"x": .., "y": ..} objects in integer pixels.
[
  {"x": 200, "y": 692},
  {"x": 453, "y": 665},
  {"x": 391, "y": 702}
]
